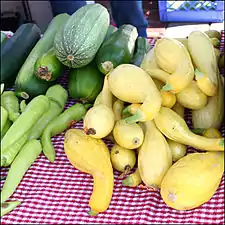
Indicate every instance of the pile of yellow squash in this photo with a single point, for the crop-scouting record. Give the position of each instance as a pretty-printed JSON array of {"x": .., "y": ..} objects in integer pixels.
[{"x": 141, "y": 110}]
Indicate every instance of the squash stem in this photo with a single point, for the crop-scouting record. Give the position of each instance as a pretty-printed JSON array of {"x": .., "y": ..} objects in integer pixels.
[
  {"x": 6, "y": 207},
  {"x": 198, "y": 74},
  {"x": 134, "y": 118},
  {"x": 167, "y": 87},
  {"x": 198, "y": 131},
  {"x": 92, "y": 213}
]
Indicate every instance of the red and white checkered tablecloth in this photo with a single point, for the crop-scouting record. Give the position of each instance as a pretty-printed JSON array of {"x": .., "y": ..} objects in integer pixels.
[{"x": 57, "y": 193}]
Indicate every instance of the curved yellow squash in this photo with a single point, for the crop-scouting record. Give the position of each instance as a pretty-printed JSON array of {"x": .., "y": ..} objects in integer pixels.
[
  {"x": 154, "y": 156},
  {"x": 175, "y": 128},
  {"x": 91, "y": 156},
  {"x": 130, "y": 83},
  {"x": 203, "y": 55},
  {"x": 173, "y": 57}
]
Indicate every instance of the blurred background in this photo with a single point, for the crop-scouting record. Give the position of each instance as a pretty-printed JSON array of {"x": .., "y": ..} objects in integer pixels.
[{"x": 170, "y": 18}]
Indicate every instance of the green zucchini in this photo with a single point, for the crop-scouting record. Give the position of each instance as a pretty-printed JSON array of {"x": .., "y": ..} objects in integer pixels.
[
  {"x": 48, "y": 67},
  {"x": 141, "y": 48},
  {"x": 110, "y": 31},
  {"x": 118, "y": 49},
  {"x": 15, "y": 51},
  {"x": 78, "y": 41},
  {"x": 85, "y": 83},
  {"x": 26, "y": 81}
]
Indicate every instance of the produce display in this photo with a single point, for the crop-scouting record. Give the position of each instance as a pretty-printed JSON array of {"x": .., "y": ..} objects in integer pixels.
[{"x": 125, "y": 92}]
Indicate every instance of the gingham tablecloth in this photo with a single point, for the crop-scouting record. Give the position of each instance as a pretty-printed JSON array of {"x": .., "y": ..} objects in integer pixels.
[{"x": 57, "y": 193}]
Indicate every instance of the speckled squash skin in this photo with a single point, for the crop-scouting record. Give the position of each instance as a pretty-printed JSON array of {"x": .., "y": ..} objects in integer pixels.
[{"x": 79, "y": 40}]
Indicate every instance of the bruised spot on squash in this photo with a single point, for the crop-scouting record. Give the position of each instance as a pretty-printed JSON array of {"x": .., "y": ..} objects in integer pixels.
[
  {"x": 89, "y": 131},
  {"x": 70, "y": 57},
  {"x": 172, "y": 197}
]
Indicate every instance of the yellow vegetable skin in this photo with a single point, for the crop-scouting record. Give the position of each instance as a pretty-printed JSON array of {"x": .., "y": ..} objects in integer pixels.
[
  {"x": 192, "y": 97},
  {"x": 179, "y": 109},
  {"x": 203, "y": 55},
  {"x": 92, "y": 156},
  {"x": 178, "y": 150},
  {"x": 168, "y": 98},
  {"x": 123, "y": 160},
  {"x": 173, "y": 57},
  {"x": 99, "y": 120},
  {"x": 117, "y": 109},
  {"x": 192, "y": 180},
  {"x": 150, "y": 66},
  {"x": 129, "y": 136},
  {"x": 130, "y": 83},
  {"x": 154, "y": 156},
  {"x": 212, "y": 114},
  {"x": 175, "y": 128}
]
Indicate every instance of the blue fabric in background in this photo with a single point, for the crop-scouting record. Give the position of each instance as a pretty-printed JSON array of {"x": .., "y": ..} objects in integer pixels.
[{"x": 123, "y": 12}]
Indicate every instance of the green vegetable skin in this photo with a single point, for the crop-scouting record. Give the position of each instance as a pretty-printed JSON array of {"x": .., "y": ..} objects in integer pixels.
[
  {"x": 58, "y": 125},
  {"x": 11, "y": 103},
  {"x": 58, "y": 97},
  {"x": 26, "y": 156},
  {"x": 110, "y": 31},
  {"x": 6, "y": 207},
  {"x": 48, "y": 67},
  {"x": 4, "y": 117},
  {"x": 118, "y": 49},
  {"x": 15, "y": 51},
  {"x": 78, "y": 41},
  {"x": 18, "y": 133},
  {"x": 85, "y": 83},
  {"x": 141, "y": 48},
  {"x": 6, "y": 127},
  {"x": 26, "y": 81}
]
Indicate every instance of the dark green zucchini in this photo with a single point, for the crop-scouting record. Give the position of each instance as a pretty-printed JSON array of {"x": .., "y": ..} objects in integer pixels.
[
  {"x": 85, "y": 83},
  {"x": 118, "y": 49},
  {"x": 27, "y": 84},
  {"x": 48, "y": 67},
  {"x": 110, "y": 31},
  {"x": 141, "y": 48},
  {"x": 15, "y": 51}
]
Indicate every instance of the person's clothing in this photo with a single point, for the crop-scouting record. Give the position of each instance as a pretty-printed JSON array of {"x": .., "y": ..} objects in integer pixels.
[
  {"x": 123, "y": 12},
  {"x": 129, "y": 12},
  {"x": 66, "y": 6}
]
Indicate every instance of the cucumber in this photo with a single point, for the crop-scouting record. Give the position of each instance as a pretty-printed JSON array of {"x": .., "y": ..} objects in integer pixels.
[
  {"x": 141, "y": 48},
  {"x": 118, "y": 49},
  {"x": 48, "y": 67},
  {"x": 26, "y": 81},
  {"x": 15, "y": 51}
]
